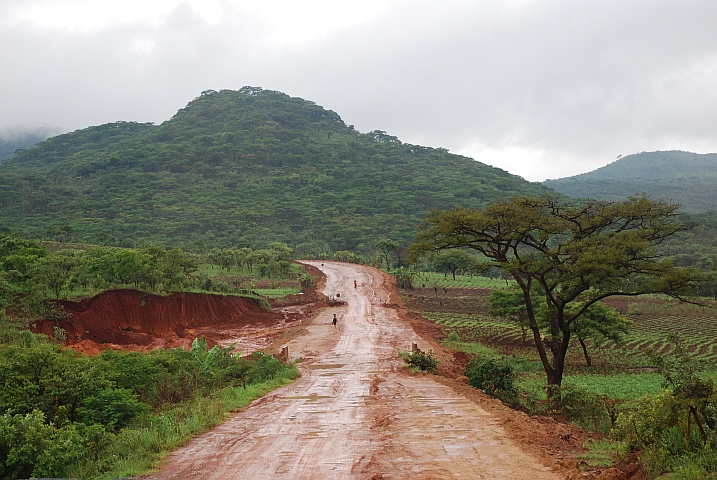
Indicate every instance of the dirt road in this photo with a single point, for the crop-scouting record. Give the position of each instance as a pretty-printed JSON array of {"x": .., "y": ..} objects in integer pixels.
[{"x": 356, "y": 413}]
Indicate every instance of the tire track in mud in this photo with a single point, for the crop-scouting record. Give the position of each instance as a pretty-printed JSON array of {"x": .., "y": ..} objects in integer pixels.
[{"x": 355, "y": 413}]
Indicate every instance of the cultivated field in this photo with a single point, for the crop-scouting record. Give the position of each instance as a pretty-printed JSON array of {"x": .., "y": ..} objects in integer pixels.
[{"x": 618, "y": 371}]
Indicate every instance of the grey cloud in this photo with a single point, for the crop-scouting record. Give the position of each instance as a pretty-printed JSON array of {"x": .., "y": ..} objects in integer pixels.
[{"x": 581, "y": 81}]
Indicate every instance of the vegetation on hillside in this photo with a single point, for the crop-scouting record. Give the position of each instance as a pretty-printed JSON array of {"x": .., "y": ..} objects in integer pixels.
[
  {"x": 238, "y": 168},
  {"x": 689, "y": 179},
  {"x": 34, "y": 274}
]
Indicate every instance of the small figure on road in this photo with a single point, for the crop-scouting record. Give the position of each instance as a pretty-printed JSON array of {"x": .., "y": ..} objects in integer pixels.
[
  {"x": 354, "y": 283},
  {"x": 335, "y": 320}
]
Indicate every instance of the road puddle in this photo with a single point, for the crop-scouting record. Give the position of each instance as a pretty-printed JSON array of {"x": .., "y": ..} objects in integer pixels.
[
  {"x": 311, "y": 398},
  {"x": 325, "y": 366},
  {"x": 453, "y": 449}
]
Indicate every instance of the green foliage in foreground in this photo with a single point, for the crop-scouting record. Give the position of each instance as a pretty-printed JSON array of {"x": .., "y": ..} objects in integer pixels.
[
  {"x": 669, "y": 417},
  {"x": 69, "y": 415},
  {"x": 677, "y": 431},
  {"x": 139, "y": 449}
]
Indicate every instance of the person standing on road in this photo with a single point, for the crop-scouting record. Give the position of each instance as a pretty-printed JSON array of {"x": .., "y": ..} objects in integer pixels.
[
  {"x": 354, "y": 283},
  {"x": 335, "y": 320}
]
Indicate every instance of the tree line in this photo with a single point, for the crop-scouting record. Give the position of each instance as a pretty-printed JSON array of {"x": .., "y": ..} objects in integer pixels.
[{"x": 31, "y": 273}]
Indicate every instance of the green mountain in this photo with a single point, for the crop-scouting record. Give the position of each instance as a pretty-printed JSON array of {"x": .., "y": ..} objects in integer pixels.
[
  {"x": 689, "y": 179},
  {"x": 239, "y": 167}
]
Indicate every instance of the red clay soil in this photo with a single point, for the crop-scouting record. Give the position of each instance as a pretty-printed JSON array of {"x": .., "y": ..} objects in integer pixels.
[{"x": 133, "y": 320}]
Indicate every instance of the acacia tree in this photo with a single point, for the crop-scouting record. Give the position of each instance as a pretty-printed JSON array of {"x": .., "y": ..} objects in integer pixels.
[
  {"x": 452, "y": 261},
  {"x": 570, "y": 254},
  {"x": 386, "y": 245}
]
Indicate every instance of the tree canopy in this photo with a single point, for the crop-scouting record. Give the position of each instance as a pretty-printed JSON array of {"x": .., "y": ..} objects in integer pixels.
[
  {"x": 236, "y": 168},
  {"x": 453, "y": 261},
  {"x": 570, "y": 254}
]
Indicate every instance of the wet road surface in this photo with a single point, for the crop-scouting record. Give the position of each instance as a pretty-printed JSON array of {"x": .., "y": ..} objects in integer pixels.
[{"x": 355, "y": 412}]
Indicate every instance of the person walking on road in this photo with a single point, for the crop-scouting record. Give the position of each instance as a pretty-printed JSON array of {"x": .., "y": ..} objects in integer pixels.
[{"x": 335, "y": 320}]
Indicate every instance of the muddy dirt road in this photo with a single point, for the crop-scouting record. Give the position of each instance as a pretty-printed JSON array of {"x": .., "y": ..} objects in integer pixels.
[{"x": 356, "y": 413}]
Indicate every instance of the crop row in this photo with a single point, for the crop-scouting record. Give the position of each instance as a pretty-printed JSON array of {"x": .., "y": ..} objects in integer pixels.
[{"x": 648, "y": 333}]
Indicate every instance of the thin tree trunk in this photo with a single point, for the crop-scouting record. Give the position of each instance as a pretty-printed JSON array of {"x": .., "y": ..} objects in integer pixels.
[
  {"x": 588, "y": 360},
  {"x": 693, "y": 410}
]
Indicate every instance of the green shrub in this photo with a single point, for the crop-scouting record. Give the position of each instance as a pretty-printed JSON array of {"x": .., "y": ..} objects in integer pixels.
[
  {"x": 669, "y": 441},
  {"x": 306, "y": 280},
  {"x": 453, "y": 337},
  {"x": 114, "y": 408},
  {"x": 494, "y": 376},
  {"x": 67, "y": 415},
  {"x": 581, "y": 406},
  {"x": 634, "y": 309},
  {"x": 31, "y": 448},
  {"x": 425, "y": 362},
  {"x": 404, "y": 278},
  {"x": 675, "y": 430}
]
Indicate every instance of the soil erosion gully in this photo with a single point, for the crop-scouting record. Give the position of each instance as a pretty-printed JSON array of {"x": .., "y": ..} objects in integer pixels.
[{"x": 355, "y": 412}]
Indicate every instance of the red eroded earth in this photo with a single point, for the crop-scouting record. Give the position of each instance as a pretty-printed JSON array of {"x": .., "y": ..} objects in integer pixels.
[{"x": 132, "y": 320}]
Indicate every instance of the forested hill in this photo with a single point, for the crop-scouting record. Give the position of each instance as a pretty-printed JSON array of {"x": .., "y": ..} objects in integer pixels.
[
  {"x": 689, "y": 179},
  {"x": 239, "y": 167}
]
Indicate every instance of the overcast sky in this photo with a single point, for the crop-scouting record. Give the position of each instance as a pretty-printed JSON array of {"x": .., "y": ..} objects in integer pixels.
[{"x": 543, "y": 89}]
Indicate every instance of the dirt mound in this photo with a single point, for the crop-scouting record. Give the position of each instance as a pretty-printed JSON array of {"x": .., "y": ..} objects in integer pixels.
[{"x": 133, "y": 320}]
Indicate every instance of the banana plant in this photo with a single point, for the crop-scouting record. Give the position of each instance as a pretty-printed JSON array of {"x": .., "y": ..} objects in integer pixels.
[{"x": 209, "y": 360}]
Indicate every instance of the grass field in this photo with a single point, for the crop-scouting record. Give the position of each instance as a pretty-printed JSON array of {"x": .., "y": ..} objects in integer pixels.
[
  {"x": 430, "y": 280},
  {"x": 278, "y": 292}
]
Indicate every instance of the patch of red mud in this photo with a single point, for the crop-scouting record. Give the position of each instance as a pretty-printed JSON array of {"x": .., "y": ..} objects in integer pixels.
[{"x": 134, "y": 320}]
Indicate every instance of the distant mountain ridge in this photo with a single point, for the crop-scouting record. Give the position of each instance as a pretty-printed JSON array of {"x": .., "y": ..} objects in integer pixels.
[
  {"x": 12, "y": 141},
  {"x": 689, "y": 179},
  {"x": 240, "y": 167}
]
